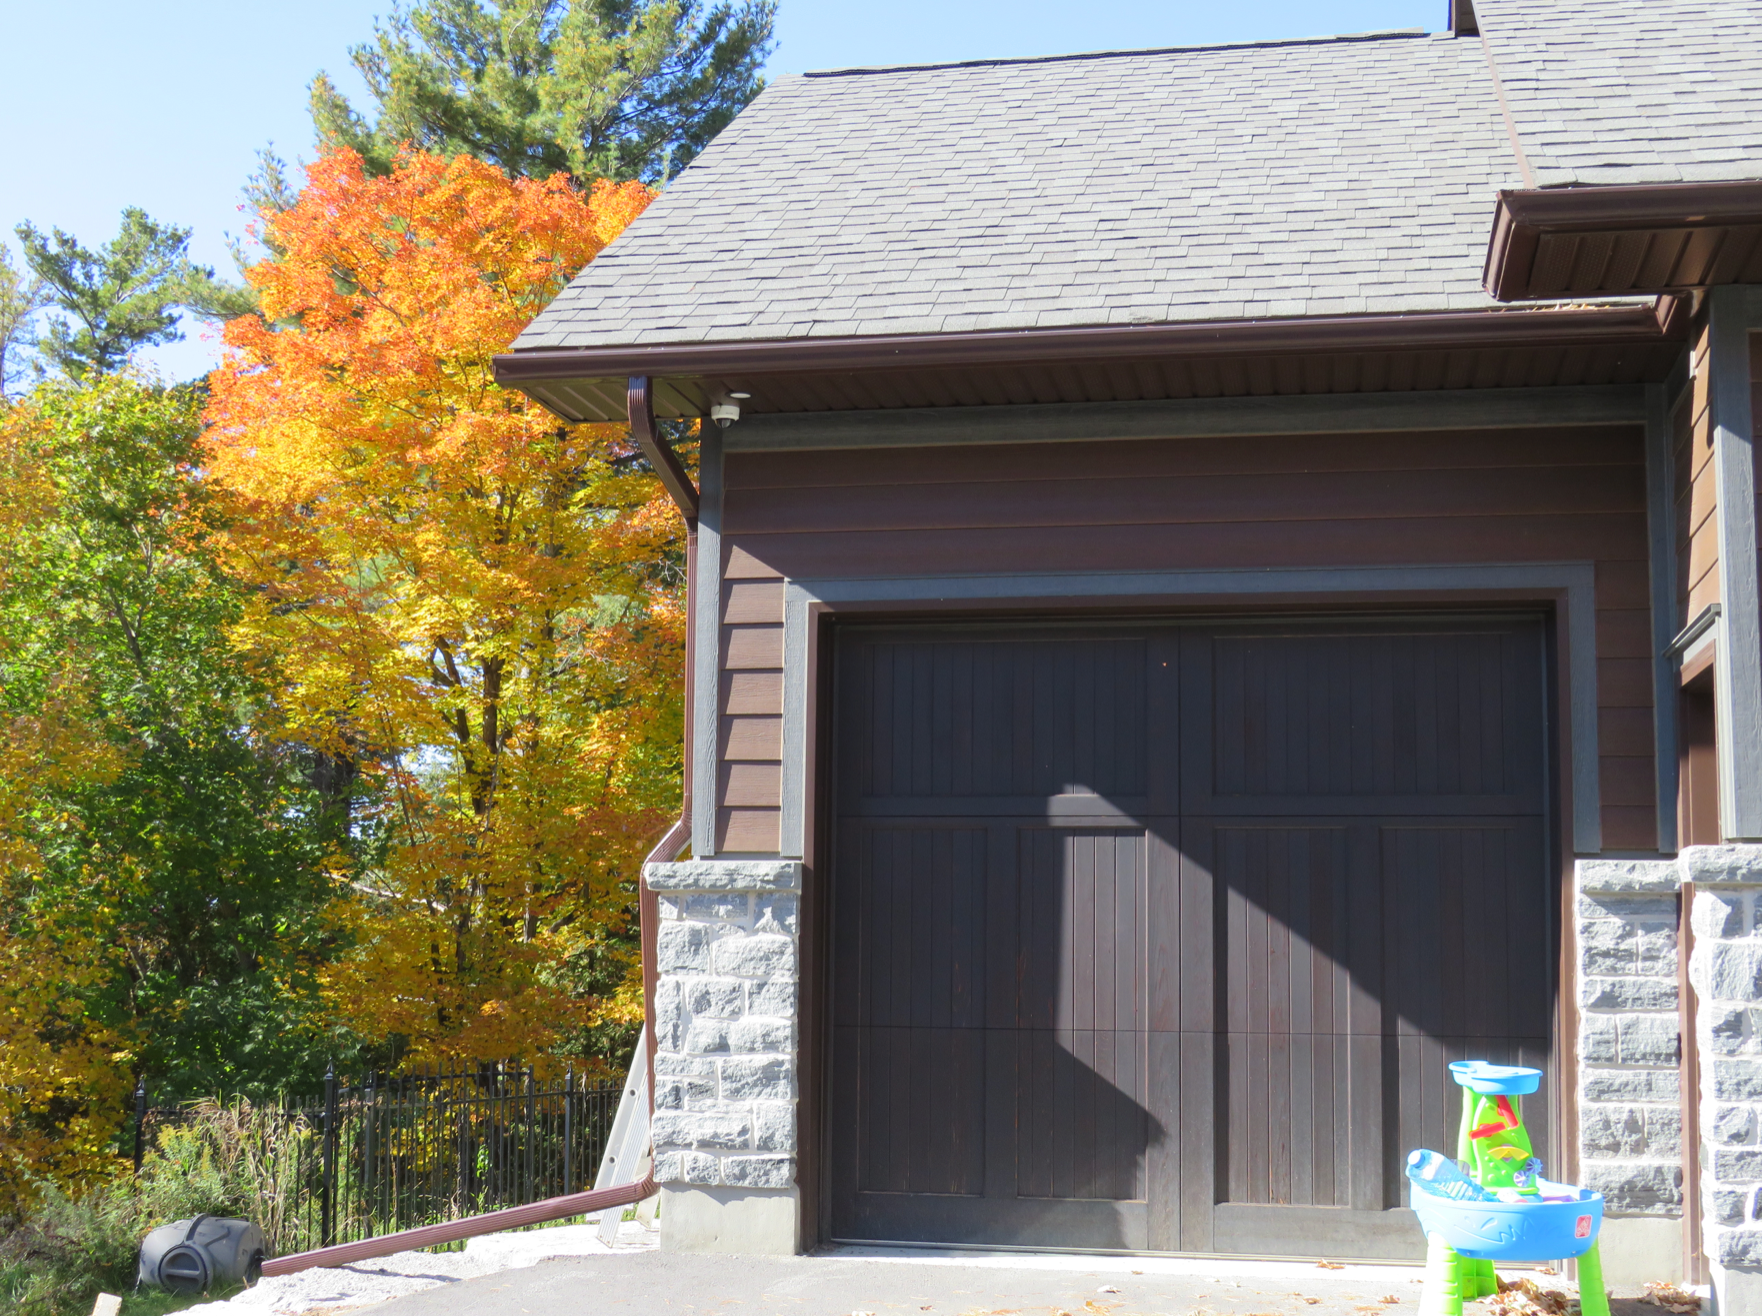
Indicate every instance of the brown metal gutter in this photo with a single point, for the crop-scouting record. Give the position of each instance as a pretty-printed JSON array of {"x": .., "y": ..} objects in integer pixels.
[
  {"x": 1525, "y": 217},
  {"x": 1547, "y": 327},
  {"x": 670, "y": 847},
  {"x": 552, "y": 1208}
]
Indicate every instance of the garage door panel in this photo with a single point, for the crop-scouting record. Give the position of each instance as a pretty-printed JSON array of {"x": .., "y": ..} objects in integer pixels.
[
  {"x": 1083, "y": 920},
  {"x": 1433, "y": 719},
  {"x": 1468, "y": 930},
  {"x": 1289, "y": 1119},
  {"x": 922, "y": 1125},
  {"x": 1083, "y": 1128},
  {"x": 956, "y": 718},
  {"x": 1217, "y": 961},
  {"x": 918, "y": 940}
]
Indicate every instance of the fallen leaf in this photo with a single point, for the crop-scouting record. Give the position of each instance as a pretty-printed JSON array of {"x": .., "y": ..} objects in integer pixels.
[
  {"x": 1525, "y": 1297},
  {"x": 1671, "y": 1297},
  {"x": 1329, "y": 1265},
  {"x": 1389, "y": 1298},
  {"x": 1107, "y": 1288}
]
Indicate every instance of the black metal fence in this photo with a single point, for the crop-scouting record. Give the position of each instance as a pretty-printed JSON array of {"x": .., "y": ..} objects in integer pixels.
[{"x": 389, "y": 1154}]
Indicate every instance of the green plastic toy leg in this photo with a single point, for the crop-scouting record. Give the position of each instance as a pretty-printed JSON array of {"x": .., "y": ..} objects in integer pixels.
[
  {"x": 1442, "y": 1295},
  {"x": 1593, "y": 1297},
  {"x": 1483, "y": 1282}
]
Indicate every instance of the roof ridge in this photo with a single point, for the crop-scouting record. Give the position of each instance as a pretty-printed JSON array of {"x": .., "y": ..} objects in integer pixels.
[{"x": 1403, "y": 33}]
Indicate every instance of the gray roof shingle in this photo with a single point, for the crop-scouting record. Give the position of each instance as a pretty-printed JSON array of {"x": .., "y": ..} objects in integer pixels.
[
  {"x": 1631, "y": 91},
  {"x": 1311, "y": 178}
]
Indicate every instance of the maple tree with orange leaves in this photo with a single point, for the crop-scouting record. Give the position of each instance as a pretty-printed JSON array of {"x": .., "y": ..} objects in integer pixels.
[{"x": 473, "y": 610}]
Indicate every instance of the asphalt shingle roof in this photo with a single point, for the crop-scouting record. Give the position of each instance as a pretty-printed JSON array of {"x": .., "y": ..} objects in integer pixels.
[
  {"x": 1631, "y": 91},
  {"x": 1311, "y": 178}
]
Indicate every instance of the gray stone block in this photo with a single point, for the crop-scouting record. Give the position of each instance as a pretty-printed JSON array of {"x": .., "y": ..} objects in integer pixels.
[
  {"x": 758, "y": 1171},
  {"x": 1635, "y": 1187},
  {"x": 1650, "y": 1039},
  {"x": 1618, "y": 960},
  {"x": 1613, "y": 1132},
  {"x": 717, "y": 906},
  {"x": 673, "y": 1065},
  {"x": 1736, "y": 1080},
  {"x": 1627, "y": 875},
  {"x": 1599, "y": 1040},
  {"x": 1737, "y": 1247},
  {"x": 758, "y": 1080},
  {"x": 1664, "y": 1132},
  {"x": 1657, "y": 949},
  {"x": 1737, "y": 1165},
  {"x": 1730, "y": 865},
  {"x": 724, "y": 875},
  {"x": 707, "y": 1037},
  {"x": 1735, "y": 970},
  {"x": 1628, "y": 993},
  {"x": 774, "y": 1126},
  {"x": 777, "y": 996},
  {"x": 701, "y": 1128},
  {"x": 762, "y": 1035},
  {"x": 1727, "y": 1027},
  {"x": 1718, "y": 914},
  {"x": 776, "y": 914},
  {"x": 1728, "y": 1206},
  {"x": 669, "y": 1017},
  {"x": 699, "y": 1168},
  {"x": 758, "y": 956},
  {"x": 1732, "y": 1125},
  {"x": 1619, "y": 1085},
  {"x": 683, "y": 948},
  {"x": 1652, "y": 907},
  {"x": 670, "y": 1167},
  {"x": 714, "y": 998}
]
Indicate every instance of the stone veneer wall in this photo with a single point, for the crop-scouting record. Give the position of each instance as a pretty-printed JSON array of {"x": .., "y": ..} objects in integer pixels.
[
  {"x": 1726, "y": 973},
  {"x": 725, "y": 1023},
  {"x": 1629, "y": 1075}
]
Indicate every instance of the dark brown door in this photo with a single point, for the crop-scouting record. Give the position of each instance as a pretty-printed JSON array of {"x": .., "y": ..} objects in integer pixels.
[{"x": 1159, "y": 937}]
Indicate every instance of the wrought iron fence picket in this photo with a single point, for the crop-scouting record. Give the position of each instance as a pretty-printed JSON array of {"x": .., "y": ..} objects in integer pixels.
[{"x": 392, "y": 1153}]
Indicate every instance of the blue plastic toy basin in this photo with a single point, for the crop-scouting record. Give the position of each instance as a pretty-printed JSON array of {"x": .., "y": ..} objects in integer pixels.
[
  {"x": 1496, "y": 1080},
  {"x": 1514, "y": 1231}
]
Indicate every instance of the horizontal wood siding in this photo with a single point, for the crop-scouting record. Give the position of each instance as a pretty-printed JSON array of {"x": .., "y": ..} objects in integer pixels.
[
  {"x": 749, "y": 778},
  {"x": 1435, "y": 497}
]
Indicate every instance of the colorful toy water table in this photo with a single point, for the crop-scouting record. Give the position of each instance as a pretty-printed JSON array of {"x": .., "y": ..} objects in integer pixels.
[{"x": 1493, "y": 1205}]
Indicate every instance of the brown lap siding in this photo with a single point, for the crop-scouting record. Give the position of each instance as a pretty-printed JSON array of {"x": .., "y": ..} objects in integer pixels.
[
  {"x": 1342, "y": 500},
  {"x": 749, "y": 776}
]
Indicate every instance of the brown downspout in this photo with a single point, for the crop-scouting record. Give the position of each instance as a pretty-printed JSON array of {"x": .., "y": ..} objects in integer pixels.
[{"x": 669, "y": 848}]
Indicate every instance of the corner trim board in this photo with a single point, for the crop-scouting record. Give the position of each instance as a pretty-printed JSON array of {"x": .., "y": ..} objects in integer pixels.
[
  {"x": 1733, "y": 311},
  {"x": 707, "y": 679},
  {"x": 1576, "y": 579},
  {"x": 1661, "y": 533}
]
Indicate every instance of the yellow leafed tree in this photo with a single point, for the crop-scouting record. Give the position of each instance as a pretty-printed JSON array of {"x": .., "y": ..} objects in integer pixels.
[{"x": 475, "y": 610}]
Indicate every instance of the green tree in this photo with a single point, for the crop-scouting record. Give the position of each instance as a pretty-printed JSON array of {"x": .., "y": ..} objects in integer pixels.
[
  {"x": 204, "y": 850},
  {"x": 123, "y": 296},
  {"x": 21, "y": 297},
  {"x": 621, "y": 89}
]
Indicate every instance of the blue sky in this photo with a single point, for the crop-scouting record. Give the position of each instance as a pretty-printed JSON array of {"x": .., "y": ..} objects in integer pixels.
[{"x": 110, "y": 103}]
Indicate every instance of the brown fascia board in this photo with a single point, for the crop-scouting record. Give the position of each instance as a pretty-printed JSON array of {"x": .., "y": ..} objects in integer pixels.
[
  {"x": 1524, "y": 216},
  {"x": 1542, "y": 327}
]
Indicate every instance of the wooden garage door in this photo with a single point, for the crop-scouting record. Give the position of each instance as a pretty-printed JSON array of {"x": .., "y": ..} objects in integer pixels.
[{"x": 1160, "y": 937}]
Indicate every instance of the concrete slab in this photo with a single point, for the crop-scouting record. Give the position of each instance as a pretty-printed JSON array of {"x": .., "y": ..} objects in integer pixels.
[{"x": 875, "y": 1282}]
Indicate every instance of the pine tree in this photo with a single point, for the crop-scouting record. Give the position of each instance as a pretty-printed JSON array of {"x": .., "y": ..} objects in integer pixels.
[{"x": 620, "y": 89}]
